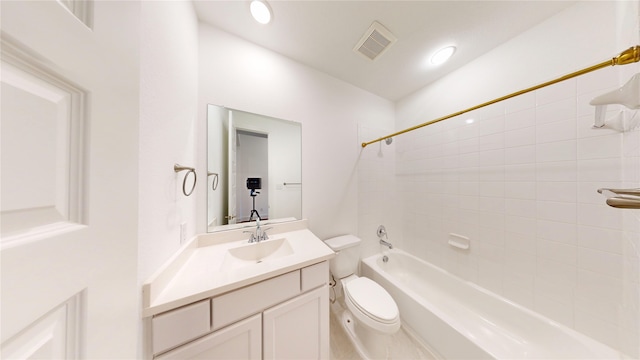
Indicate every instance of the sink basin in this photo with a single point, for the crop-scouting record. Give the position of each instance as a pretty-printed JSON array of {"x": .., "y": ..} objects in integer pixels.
[{"x": 255, "y": 253}]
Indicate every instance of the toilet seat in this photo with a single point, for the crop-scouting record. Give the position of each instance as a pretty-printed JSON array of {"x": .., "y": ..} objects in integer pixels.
[{"x": 371, "y": 304}]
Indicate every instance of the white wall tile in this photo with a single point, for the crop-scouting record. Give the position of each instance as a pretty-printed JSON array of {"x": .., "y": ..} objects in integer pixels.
[
  {"x": 491, "y": 204},
  {"x": 558, "y": 111},
  {"x": 491, "y": 157},
  {"x": 562, "y": 191},
  {"x": 520, "y": 137},
  {"x": 598, "y": 287},
  {"x": 520, "y": 242},
  {"x": 520, "y": 225},
  {"x": 553, "y": 288},
  {"x": 556, "y": 131},
  {"x": 491, "y": 126},
  {"x": 603, "y": 262},
  {"x": 557, "y": 171},
  {"x": 556, "y": 151},
  {"x": 492, "y": 188},
  {"x": 520, "y": 119},
  {"x": 631, "y": 169},
  {"x": 490, "y": 173},
  {"x": 560, "y": 274},
  {"x": 563, "y": 232},
  {"x": 520, "y": 155},
  {"x": 602, "y": 239},
  {"x": 599, "y": 215},
  {"x": 491, "y": 142},
  {"x": 520, "y": 190},
  {"x": 521, "y": 262},
  {"x": 520, "y": 172},
  {"x": 556, "y": 211},
  {"x": 520, "y": 207},
  {"x": 610, "y": 169},
  {"x": 598, "y": 147},
  {"x": 631, "y": 142},
  {"x": 556, "y": 251}
]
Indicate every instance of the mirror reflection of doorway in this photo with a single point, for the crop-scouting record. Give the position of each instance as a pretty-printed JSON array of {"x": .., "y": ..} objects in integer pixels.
[{"x": 252, "y": 161}]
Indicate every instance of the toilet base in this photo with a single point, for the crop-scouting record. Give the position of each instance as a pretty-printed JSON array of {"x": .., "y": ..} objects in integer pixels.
[{"x": 369, "y": 344}]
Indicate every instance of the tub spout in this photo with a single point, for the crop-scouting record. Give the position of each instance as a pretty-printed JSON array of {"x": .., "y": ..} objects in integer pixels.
[{"x": 386, "y": 243}]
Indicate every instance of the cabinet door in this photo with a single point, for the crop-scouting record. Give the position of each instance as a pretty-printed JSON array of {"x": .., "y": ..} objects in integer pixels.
[
  {"x": 298, "y": 328},
  {"x": 241, "y": 340}
]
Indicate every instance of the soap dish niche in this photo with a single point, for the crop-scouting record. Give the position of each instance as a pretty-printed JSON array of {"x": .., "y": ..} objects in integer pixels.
[{"x": 459, "y": 241}]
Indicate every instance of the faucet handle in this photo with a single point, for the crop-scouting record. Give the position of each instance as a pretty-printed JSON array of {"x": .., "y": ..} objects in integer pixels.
[
  {"x": 252, "y": 236},
  {"x": 264, "y": 235}
]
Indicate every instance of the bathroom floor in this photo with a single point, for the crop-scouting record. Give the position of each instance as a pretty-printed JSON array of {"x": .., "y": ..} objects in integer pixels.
[{"x": 403, "y": 348}]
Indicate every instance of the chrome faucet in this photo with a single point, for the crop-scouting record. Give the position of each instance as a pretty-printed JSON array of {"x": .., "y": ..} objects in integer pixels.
[
  {"x": 259, "y": 234},
  {"x": 382, "y": 232},
  {"x": 386, "y": 243}
]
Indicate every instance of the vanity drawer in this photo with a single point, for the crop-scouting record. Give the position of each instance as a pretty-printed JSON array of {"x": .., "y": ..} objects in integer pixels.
[
  {"x": 181, "y": 325},
  {"x": 239, "y": 304},
  {"x": 314, "y": 276}
]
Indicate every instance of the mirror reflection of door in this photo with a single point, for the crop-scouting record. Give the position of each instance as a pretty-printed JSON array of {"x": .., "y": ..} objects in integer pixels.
[
  {"x": 252, "y": 161},
  {"x": 232, "y": 143}
]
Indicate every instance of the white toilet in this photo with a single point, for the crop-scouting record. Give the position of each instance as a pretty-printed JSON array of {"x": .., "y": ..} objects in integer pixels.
[{"x": 371, "y": 314}]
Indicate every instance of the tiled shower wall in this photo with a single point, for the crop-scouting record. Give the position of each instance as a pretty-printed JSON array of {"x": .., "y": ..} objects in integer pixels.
[{"x": 519, "y": 178}]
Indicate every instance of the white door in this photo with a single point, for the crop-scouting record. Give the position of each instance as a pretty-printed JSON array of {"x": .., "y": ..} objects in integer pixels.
[
  {"x": 69, "y": 147},
  {"x": 233, "y": 138}
]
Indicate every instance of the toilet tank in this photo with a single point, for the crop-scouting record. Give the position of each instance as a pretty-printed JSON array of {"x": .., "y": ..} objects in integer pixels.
[{"x": 347, "y": 248}]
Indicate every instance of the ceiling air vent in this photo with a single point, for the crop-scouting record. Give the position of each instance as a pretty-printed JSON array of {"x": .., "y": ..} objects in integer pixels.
[{"x": 375, "y": 41}]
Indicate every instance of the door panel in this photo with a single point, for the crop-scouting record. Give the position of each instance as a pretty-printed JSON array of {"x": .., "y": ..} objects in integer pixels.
[{"x": 69, "y": 130}]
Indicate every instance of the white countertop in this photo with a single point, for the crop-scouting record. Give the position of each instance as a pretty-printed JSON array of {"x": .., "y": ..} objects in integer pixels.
[{"x": 195, "y": 272}]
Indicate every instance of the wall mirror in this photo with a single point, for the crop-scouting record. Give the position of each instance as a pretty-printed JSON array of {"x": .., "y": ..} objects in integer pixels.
[{"x": 254, "y": 169}]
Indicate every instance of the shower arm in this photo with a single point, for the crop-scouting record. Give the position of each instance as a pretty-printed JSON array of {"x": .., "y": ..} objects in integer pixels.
[{"x": 629, "y": 56}]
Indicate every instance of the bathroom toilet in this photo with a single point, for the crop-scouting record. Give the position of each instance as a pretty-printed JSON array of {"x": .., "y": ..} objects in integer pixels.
[{"x": 371, "y": 315}]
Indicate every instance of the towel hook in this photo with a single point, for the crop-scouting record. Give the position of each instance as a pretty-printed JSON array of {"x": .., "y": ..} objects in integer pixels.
[{"x": 177, "y": 168}]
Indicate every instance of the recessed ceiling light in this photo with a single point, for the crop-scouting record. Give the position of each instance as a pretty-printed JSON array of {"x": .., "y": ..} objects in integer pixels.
[
  {"x": 442, "y": 55},
  {"x": 260, "y": 11}
]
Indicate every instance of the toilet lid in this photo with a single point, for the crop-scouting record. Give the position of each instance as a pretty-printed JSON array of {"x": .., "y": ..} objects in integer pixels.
[{"x": 372, "y": 299}]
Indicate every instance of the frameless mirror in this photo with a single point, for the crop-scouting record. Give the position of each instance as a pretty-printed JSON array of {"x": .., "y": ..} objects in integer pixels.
[{"x": 254, "y": 169}]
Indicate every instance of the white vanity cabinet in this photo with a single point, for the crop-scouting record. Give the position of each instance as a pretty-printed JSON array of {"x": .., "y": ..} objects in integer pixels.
[
  {"x": 242, "y": 340},
  {"x": 284, "y": 317},
  {"x": 298, "y": 328}
]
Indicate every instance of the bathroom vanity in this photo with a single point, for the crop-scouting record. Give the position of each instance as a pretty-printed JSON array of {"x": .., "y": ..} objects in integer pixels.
[{"x": 222, "y": 297}]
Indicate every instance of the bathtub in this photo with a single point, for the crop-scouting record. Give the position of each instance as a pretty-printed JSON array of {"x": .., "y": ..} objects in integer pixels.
[{"x": 457, "y": 319}]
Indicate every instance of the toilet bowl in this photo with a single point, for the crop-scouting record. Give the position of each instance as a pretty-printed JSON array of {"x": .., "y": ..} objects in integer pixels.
[
  {"x": 371, "y": 304},
  {"x": 370, "y": 315}
]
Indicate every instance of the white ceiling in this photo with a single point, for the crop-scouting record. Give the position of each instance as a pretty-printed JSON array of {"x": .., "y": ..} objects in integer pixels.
[{"x": 322, "y": 34}]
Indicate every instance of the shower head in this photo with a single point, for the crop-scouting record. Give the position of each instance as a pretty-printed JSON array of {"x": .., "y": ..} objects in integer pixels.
[{"x": 388, "y": 141}]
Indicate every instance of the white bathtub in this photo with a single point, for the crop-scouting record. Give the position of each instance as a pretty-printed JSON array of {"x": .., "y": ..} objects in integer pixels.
[{"x": 460, "y": 320}]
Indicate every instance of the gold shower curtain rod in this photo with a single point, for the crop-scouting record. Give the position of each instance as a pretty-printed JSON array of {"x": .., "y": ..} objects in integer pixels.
[{"x": 631, "y": 55}]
